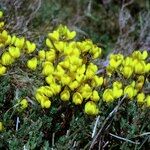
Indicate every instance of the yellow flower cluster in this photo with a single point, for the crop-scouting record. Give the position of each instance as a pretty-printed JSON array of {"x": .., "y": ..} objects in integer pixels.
[
  {"x": 116, "y": 92},
  {"x": 68, "y": 72},
  {"x": 135, "y": 68},
  {"x": 13, "y": 47},
  {"x": 135, "y": 64}
]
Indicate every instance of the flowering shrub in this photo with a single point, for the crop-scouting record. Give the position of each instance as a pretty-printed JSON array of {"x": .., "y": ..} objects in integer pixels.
[{"x": 69, "y": 69}]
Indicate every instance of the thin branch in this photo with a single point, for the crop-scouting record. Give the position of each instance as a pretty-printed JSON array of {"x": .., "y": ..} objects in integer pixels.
[
  {"x": 106, "y": 121},
  {"x": 143, "y": 134},
  {"x": 17, "y": 123},
  {"x": 53, "y": 140},
  {"x": 124, "y": 139},
  {"x": 95, "y": 126},
  {"x": 127, "y": 4}
]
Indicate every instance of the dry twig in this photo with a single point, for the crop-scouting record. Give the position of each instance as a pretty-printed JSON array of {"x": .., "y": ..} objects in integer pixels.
[{"x": 112, "y": 113}]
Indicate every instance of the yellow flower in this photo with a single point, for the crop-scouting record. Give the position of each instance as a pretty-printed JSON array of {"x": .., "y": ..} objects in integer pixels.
[
  {"x": 137, "y": 55},
  {"x": 140, "y": 98},
  {"x": 2, "y": 24},
  {"x": 117, "y": 84},
  {"x": 41, "y": 54},
  {"x": 73, "y": 85},
  {"x": 4, "y": 35},
  {"x": 109, "y": 70},
  {"x": 73, "y": 68},
  {"x": 91, "y": 108},
  {"x": 86, "y": 91},
  {"x": 48, "y": 69},
  {"x": 97, "y": 81},
  {"x": 59, "y": 72},
  {"x": 77, "y": 98},
  {"x": 2, "y": 70},
  {"x": 139, "y": 68},
  {"x": 24, "y": 103},
  {"x": 14, "y": 52},
  {"x": 56, "y": 88},
  {"x": 48, "y": 43},
  {"x": 46, "y": 63},
  {"x": 95, "y": 96},
  {"x": 46, "y": 90},
  {"x": 8, "y": 41},
  {"x": 108, "y": 95},
  {"x": 6, "y": 59},
  {"x": 127, "y": 71},
  {"x": 1, "y": 126},
  {"x": 115, "y": 60},
  {"x": 47, "y": 104},
  {"x": 59, "y": 45},
  {"x": 144, "y": 54},
  {"x": 50, "y": 55},
  {"x": 139, "y": 83},
  {"x": 91, "y": 71},
  {"x": 114, "y": 63},
  {"x": 50, "y": 79},
  {"x": 40, "y": 97},
  {"x": 65, "y": 64},
  {"x": 75, "y": 60},
  {"x": 96, "y": 52},
  {"x": 18, "y": 42},
  {"x": 85, "y": 46},
  {"x": 70, "y": 50},
  {"x": 65, "y": 80},
  {"x": 54, "y": 36},
  {"x": 130, "y": 91},
  {"x": 13, "y": 40},
  {"x": 140, "y": 55},
  {"x": 80, "y": 78},
  {"x": 70, "y": 35},
  {"x": 65, "y": 95},
  {"x": 81, "y": 70},
  {"x": 30, "y": 47},
  {"x": 1, "y": 14},
  {"x": 147, "y": 100},
  {"x": 128, "y": 61},
  {"x": 117, "y": 93},
  {"x": 32, "y": 63}
]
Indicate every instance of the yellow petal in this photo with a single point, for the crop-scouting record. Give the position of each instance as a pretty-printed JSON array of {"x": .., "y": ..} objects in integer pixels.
[
  {"x": 108, "y": 95},
  {"x": 140, "y": 98},
  {"x": 32, "y": 63},
  {"x": 65, "y": 95},
  {"x": 2, "y": 70},
  {"x": 91, "y": 108},
  {"x": 47, "y": 104},
  {"x": 77, "y": 98},
  {"x": 54, "y": 36},
  {"x": 14, "y": 52},
  {"x": 7, "y": 59}
]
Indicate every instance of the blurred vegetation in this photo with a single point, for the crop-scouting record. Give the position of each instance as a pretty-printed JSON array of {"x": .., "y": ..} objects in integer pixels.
[{"x": 116, "y": 26}]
